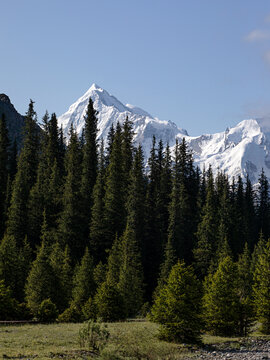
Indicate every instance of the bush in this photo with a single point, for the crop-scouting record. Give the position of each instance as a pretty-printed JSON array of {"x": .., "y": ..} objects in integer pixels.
[
  {"x": 93, "y": 335},
  {"x": 47, "y": 311},
  {"x": 71, "y": 315}
]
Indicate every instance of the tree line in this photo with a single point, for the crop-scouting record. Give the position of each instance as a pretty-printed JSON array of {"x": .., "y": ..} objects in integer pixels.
[{"x": 88, "y": 231}]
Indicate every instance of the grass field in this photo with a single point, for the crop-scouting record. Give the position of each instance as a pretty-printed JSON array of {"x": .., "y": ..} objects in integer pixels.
[{"x": 128, "y": 340}]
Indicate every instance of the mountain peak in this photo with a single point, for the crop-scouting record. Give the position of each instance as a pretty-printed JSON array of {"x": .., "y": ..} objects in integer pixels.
[
  {"x": 94, "y": 86},
  {"x": 4, "y": 98}
]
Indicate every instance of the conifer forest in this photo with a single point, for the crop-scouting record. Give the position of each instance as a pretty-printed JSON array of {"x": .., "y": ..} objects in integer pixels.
[{"x": 90, "y": 229}]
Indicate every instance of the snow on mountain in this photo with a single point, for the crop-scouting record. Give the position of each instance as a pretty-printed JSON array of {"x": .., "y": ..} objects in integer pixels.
[
  {"x": 241, "y": 150},
  {"x": 110, "y": 110}
]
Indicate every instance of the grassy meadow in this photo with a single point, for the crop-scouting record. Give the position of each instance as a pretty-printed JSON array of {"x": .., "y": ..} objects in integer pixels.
[{"x": 128, "y": 340}]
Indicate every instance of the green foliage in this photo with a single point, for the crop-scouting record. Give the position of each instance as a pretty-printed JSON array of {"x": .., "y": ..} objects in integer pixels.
[
  {"x": 221, "y": 300},
  {"x": 109, "y": 303},
  {"x": 261, "y": 289},
  {"x": 178, "y": 306},
  {"x": 8, "y": 305},
  {"x": 41, "y": 280},
  {"x": 244, "y": 288},
  {"x": 89, "y": 309},
  {"x": 47, "y": 311},
  {"x": 84, "y": 285},
  {"x": 131, "y": 276},
  {"x": 72, "y": 314},
  {"x": 93, "y": 335},
  {"x": 25, "y": 177}
]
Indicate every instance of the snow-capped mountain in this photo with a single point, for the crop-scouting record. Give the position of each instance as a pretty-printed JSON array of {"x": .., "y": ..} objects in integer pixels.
[
  {"x": 242, "y": 150},
  {"x": 110, "y": 110}
]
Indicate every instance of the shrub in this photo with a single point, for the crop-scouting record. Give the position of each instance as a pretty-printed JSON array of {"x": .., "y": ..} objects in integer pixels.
[
  {"x": 89, "y": 310},
  {"x": 47, "y": 311},
  {"x": 93, "y": 335},
  {"x": 72, "y": 314}
]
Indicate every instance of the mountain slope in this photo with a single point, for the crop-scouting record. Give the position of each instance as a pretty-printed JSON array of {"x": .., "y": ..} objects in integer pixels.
[
  {"x": 110, "y": 110},
  {"x": 14, "y": 121},
  {"x": 242, "y": 150}
]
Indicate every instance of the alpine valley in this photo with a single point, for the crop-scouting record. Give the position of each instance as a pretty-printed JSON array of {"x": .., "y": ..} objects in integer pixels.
[{"x": 241, "y": 150}]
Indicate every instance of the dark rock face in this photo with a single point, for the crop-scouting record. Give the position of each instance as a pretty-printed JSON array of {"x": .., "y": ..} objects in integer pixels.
[{"x": 14, "y": 121}]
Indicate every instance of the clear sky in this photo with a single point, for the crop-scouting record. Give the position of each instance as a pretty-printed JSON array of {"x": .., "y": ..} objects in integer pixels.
[{"x": 204, "y": 64}]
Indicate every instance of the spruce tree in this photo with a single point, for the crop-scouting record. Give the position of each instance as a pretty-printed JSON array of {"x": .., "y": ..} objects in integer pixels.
[
  {"x": 114, "y": 206},
  {"x": 41, "y": 280},
  {"x": 97, "y": 245},
  {"x": 89, "y": 165},
  {"x": 221, "y": 301},
  {"x": 131, "y": 274},
  {"x": 4, "y": 144},
  {"x": 84, "y": 286},
  {"x": 261, "y": 289},
  {"x": 178, "y": 306},
  {"x": 25, "y": 177},
  {"x": 244, "y": 285},
  {"x": 263, "y": 209},
  {"x": 207, "y": 230},
  {"x": 10, "y": 266},
  {"x": 70, "y": 221}
]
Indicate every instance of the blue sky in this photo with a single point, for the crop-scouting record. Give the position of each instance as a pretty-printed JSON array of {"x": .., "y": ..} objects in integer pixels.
[{"x": 204, "y": 64}]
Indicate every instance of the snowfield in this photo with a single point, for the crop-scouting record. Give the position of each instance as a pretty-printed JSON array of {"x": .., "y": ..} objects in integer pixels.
[{"x": 242, "y": 150}]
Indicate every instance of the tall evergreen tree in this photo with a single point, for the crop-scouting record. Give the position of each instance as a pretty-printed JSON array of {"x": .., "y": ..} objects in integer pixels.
[
  {"x": 221, "y": 301},
  {"x": 84, "y": 285},
  {"x": 261, "y": 289},
  {"x": 114, "y": 207},
  {"x": 244, "y": 285},
  {"x": 178, "y": 306},
  {"x": 41, "y": 280},
  {"x": 264, "y": 205},
  {"x": 4, "y": 144},
  {"x": 207, "y": 230},
  {"x": 89, "y": 165},
  {"x": 70, "y": 222},
  {"x": 131, "y": 274},
  {"x": 97, "y": 245},
  {"x": 25, "y": 177}
]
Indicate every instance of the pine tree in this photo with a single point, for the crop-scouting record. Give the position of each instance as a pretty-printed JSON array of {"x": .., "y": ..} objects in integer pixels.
[
  {"x": 131, "y": 274},
  {"x": 127, "y": 151},
  {"x": 41, "y": 280},
  {"x": 152, "y": 246},
  {"x": 25, "y": 177},
  {"x": 178, "y": 306},
  {"x": 135, "y": 204},
  {"x": 261, "y": 289},
  {"x": 89, "y": 165},
  {"x": 84, "y": 286},
  {"x": 10, "y": 266},
  {"x": 221, "y": 301},
  {"x": 244, "y": 285},
  {"x": 114, "y": 206},
  {"x": 249, "y": 216},
  {"x": 170, "y": 260},
  {"x": 70, "y": 222},
  {"x": 264, "y": 205},
  {"x": 97, "y": 245},
  {"x": 207, "y": 230},
  {"x": 4, "y": 144}
]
